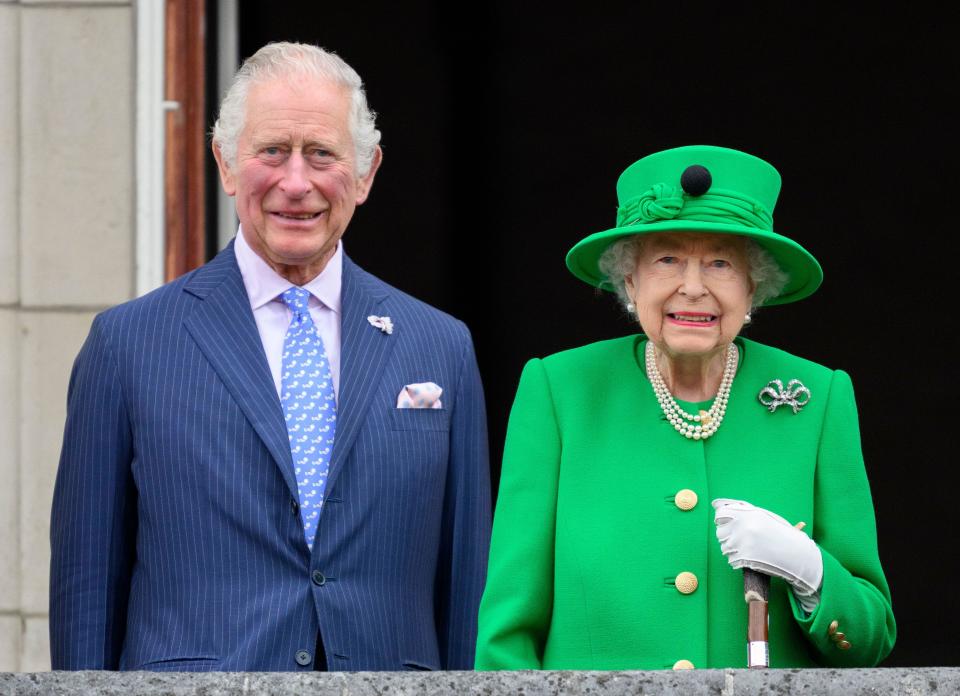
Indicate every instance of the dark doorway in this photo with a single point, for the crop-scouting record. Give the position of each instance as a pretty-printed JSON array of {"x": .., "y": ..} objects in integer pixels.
[{"x": 505, "y": 126}]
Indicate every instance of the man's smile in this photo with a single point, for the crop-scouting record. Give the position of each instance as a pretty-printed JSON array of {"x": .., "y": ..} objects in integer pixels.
[{"x": 291, "y": 215}]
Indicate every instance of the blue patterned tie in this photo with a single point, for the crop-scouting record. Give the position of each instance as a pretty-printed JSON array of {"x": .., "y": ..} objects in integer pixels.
[{"x": 309, "y": 406}]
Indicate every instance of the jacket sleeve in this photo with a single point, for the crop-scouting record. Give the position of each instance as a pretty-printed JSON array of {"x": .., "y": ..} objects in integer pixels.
[
  {"x": 518, "y": 598},
  {"x": 465, "y": 540},
  {"x": 93, "y": 521},
  {"x": 854, "y": 592}
]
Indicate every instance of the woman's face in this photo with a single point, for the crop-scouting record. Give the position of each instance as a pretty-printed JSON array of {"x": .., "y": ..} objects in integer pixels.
[{"x": 692, "y": 291}]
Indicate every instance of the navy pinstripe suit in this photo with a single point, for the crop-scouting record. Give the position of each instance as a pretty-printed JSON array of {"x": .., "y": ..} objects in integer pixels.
[{"x": 175, "y": 536}]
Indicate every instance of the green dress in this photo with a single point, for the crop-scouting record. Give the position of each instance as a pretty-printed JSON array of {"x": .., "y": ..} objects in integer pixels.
[{"x": 589, "y": 533}]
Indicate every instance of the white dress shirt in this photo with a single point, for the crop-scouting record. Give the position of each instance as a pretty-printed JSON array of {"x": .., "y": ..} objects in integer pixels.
[{"x": 264, "y": 287}]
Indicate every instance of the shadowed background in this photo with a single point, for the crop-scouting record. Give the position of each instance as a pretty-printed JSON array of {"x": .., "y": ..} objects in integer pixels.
[{"x": 504, "y": 135}]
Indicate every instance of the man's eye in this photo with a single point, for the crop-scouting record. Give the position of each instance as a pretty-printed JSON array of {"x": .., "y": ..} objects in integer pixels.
[
  {"x": 271, "y": 153},
  {"x": 320, "y": 153}
]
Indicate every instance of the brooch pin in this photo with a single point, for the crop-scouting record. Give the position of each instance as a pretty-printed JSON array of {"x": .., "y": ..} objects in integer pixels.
[
  {"x": 382, "y": 323},
  {"x": 796, "y": 396}
]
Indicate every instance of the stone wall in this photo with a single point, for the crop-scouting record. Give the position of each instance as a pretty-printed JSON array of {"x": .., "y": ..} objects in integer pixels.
[
  {"x": 67, "y": 107},
  {"x": 829, "y": 682}
]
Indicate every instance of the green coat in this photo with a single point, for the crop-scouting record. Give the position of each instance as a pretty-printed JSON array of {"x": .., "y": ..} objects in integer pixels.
[{"x": 588, "y": 538}]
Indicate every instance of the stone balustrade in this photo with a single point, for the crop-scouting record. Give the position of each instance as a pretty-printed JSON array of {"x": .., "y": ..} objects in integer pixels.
[{"x": 729, "y": 682}]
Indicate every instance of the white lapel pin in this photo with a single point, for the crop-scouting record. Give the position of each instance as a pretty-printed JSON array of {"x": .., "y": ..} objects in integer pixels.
[{"x": 382, "y": 323}]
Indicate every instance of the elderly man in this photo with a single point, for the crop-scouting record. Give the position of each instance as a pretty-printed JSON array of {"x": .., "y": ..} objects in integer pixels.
[{"x": 276, "y": 462}]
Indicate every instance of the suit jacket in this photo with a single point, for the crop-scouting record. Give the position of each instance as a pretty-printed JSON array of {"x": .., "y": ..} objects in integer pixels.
[
  {"x": 588, "y": 538},
  {"x": 176, "y": 540}
]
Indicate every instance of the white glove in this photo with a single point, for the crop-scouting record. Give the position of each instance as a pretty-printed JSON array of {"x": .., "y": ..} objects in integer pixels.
[{"x": 751, "y": 537}]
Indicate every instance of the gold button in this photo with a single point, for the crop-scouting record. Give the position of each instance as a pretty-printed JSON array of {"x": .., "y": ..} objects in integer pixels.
[
  {"x": 834, "y": 625},
  {"x": 686, "y": 582},
  {"x": 844, "y": 645},
  {"x": 685, "y": 499},
  {"x": 683, "y": 664},
  {"x": 838, "y": 636}
]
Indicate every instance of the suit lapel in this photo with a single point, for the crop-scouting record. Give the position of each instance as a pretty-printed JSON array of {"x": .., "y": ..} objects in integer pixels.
[
  {"x": 364, "y": 351},
  {"x": 224, "y": 328}
]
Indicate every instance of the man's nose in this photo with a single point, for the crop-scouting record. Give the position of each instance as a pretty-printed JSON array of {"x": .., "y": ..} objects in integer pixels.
[{"x": 295, "y": 182}]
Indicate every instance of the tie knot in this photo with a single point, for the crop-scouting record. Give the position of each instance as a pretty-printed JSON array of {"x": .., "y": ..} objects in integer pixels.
[{"x": 296, "y": 300}]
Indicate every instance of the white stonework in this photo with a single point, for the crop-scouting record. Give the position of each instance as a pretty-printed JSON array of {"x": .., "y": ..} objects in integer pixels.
[
  {"x": 35, "y": 645},
  {"x": 77, "y": 159},
  {"x": 9, "y": 145},
  {"x": 10, "y": 638},
  {"x": 77, "y": 3},
  {"x": 9, "y": 467},
  {"x": 67, "y": 239}
]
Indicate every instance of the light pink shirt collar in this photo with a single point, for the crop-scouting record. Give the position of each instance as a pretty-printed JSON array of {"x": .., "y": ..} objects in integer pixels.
[{"x": 264, "y": 284}]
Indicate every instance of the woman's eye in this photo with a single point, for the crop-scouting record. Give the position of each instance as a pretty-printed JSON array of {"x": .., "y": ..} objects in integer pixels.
[
  {"x": 720, "y": 263},
  {"x": 667, "y": 259}
]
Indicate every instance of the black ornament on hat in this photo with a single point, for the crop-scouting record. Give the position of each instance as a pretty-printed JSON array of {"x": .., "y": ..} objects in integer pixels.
[{"x": 696, "y": 180}]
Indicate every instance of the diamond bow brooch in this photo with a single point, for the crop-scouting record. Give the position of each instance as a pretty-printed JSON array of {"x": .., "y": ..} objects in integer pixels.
[
  {"x": 382, "y": 323},
  {"x": 796, "y": 396}
]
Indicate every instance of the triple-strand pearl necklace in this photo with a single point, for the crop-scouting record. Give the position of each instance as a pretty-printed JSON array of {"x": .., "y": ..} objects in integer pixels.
[{"x": 706, "y": 423}]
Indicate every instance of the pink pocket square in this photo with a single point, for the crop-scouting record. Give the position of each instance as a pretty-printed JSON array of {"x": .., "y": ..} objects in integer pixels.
[{"x": 425, "y": 395}]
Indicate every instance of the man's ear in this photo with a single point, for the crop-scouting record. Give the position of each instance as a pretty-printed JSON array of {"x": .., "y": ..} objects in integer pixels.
[
  {"x": 365, "y": 183},
  {"x": 226, "y": 175}
]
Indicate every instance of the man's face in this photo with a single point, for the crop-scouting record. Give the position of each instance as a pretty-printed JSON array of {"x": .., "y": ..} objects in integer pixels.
[{"x": 295, "y": 178}]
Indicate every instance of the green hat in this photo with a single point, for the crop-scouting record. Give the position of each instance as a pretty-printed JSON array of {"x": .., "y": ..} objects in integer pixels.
[{"x": 701, "y": 188}]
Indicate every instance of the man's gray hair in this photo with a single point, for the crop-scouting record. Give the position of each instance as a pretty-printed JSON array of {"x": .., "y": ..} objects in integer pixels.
[
  {"x": 285, "y": 59},
  {"x": 620, "y": 260}
]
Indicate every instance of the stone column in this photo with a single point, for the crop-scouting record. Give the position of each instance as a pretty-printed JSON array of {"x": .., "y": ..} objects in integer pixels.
[
  {"x": 10, "y": 621},
  {"x": 66, "y": 252}
]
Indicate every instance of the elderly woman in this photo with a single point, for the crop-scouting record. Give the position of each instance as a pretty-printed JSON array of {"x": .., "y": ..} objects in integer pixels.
[{"x": 640, "y": 472}]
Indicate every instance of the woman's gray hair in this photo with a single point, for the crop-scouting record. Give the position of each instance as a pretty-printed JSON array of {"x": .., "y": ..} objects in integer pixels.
[
  {"x": 620, "y": 260},
  {"x": 285, "y": 59}
]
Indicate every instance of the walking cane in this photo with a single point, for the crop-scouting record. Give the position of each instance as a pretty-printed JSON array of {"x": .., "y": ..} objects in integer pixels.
[{"x": 756, "y": 593}]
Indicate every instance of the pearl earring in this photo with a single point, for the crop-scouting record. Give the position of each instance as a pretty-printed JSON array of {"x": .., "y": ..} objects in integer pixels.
[
  {"x": 747, "y": 318},
  {"x": 631, "y": 307}
]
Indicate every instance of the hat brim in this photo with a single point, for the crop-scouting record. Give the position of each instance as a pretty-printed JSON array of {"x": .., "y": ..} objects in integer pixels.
[{"x": 805, "y": 274}]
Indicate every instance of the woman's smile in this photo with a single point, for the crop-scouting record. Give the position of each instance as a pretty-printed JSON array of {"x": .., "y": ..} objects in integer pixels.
[{"x": 696, "y": 319}]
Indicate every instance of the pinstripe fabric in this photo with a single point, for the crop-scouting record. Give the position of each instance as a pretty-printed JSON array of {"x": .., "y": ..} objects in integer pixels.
[{"x": 175, "y": 541}]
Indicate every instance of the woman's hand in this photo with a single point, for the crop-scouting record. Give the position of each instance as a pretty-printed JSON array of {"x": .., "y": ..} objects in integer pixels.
[{"x": 751, "y": 537}]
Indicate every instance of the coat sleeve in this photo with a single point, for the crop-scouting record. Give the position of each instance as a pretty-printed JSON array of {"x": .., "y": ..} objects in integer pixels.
[
  {"x": 518, "y": 599},
  {"x": 93, "y": 520},
  {"x": 854, "y": 592},
  {"x": 465, "y": 541}
]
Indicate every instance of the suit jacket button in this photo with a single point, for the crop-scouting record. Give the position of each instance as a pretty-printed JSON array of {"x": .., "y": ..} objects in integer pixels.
[
  {"x": 318, "y": 578},
  {"x": 685, "y": 499},
  {"x": 303, "y": 658},
  {"x": 686, "y": 582},
  {"x": 683, "y": 664},
  {"x": 294, "y": 506}
]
